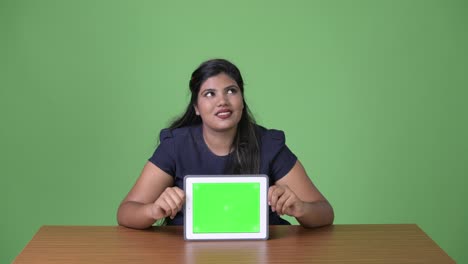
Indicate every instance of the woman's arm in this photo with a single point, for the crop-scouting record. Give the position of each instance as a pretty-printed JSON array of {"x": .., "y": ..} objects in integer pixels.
[
  {"x": 151, "y": 198},
  {"x": 296, "y": 195}
]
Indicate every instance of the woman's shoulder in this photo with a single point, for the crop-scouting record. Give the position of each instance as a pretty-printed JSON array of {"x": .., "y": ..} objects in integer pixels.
[
  {"x": 266, "y": 134},
  {"x": 177, "y": 133},
  {"x": 274, "y": 151}
]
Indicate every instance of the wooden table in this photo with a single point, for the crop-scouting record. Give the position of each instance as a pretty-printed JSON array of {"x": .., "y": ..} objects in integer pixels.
[{"x": 287, "y": 244}]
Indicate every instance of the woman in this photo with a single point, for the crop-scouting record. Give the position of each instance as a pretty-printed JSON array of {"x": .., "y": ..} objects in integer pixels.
[{"x": 217, "y": 135}]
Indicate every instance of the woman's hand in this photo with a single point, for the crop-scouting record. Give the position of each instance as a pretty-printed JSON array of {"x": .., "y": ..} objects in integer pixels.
[
  {"x": 284, "y": 201},
  {"x": 169, "y": 203}
]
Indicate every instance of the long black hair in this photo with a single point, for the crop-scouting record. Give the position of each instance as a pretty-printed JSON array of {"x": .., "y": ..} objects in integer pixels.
[{"x": 245, "y": 158}]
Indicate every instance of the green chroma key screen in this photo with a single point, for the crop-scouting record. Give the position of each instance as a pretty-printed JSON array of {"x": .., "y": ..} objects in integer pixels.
[{"x": 226, "y": 207}]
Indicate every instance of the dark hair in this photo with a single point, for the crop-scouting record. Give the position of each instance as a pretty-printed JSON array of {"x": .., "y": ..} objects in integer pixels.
[{"x": 245, "y": 158}]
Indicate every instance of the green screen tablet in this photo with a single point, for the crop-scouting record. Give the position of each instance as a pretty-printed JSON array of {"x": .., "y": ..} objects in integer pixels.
[{"x": 226, "y": 207}]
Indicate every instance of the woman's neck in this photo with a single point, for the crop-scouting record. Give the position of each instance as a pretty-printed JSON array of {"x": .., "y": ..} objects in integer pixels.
[{"x": 220, "y": 143}]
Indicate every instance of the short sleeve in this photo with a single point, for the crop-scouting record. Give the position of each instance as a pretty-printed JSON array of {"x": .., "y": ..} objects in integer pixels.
[
  {"x": 281, "y": 158},
  {"x": 164, "y": 155}
]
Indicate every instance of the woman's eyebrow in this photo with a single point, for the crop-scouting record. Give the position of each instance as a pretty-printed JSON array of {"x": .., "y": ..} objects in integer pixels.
[
  {"x": 208, "y": 90},
  {"x": 231, "y": 86},
  {"x": 214, "y": 90}
]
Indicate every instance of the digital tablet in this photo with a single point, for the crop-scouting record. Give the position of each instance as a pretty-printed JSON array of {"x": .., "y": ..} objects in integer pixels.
[{"x": 226, "y": 207}]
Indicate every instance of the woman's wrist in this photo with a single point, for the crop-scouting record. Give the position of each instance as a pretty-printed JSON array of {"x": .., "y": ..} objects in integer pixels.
[
  {"x": 316, "y": 214},
  {"x": 301, "y": 209},
  {"x": 149, "y": 211}
]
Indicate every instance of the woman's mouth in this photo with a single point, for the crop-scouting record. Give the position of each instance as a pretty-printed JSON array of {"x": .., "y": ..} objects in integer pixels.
[{"x": 223, "y": 114}]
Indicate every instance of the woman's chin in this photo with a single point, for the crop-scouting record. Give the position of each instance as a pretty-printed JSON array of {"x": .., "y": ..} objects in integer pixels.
[{"x": 223, "y": 127}]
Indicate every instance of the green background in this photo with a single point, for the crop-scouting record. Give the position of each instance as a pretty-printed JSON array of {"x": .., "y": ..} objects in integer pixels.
[
  {"x": 234, "y": 210},
  {"x": 371, "y": 95}
]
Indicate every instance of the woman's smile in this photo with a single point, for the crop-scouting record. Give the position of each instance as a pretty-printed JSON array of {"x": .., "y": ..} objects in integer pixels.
[
  {"x": 224, "y": 113},
  {"x": 220, "y": 103}
]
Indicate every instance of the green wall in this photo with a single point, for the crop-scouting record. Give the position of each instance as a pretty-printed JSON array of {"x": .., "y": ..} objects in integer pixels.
[{"x": 371, "y": 94}]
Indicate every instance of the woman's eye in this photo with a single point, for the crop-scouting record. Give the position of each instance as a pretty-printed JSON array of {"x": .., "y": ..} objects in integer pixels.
[
  {"x": 209, "y": 94},
  {"x": 232, "y": 91}
]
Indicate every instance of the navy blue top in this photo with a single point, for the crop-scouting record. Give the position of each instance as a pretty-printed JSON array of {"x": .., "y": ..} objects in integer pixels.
[{"x": 183, "y": 151}]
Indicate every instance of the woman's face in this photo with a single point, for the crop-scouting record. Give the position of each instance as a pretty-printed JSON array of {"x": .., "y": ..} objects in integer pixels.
[{"x": 220, "y": 103}]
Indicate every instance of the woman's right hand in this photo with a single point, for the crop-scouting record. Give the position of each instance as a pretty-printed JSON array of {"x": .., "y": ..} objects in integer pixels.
[{"x": 169, "y": 203}]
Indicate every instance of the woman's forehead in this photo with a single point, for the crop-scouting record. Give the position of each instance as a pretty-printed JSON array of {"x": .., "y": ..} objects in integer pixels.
[{"x": 219, "y": 81}]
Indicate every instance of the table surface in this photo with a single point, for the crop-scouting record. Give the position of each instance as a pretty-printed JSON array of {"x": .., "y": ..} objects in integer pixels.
[{"x": 401, "y": 243}]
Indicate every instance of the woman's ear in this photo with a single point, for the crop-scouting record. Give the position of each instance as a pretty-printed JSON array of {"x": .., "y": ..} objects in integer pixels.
[{"x": 196, "y": 110}]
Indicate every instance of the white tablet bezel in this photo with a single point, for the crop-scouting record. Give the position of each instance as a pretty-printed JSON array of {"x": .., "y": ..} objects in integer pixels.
[{"x": 188, "y": 216}]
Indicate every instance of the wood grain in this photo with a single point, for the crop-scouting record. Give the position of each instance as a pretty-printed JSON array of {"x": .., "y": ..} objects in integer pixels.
[{"x": 287, "y": 244}]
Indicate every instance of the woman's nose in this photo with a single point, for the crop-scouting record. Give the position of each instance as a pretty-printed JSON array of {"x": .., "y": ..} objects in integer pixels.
[{"x": 223, "y": 100}]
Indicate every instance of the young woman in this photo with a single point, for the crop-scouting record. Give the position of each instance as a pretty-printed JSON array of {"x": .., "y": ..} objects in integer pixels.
[{"x": 218, "y": 135}]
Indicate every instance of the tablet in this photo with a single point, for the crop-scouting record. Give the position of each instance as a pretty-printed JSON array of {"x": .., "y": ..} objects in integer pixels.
[{"x": 226, "y": 207}]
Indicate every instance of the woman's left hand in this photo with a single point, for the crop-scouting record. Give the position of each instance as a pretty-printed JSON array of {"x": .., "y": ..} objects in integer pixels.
[{"x": 284, "y": 201}]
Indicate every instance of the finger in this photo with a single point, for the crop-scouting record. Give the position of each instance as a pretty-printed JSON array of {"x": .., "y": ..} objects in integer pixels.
[
  {"x": 172, "y": 204},
  {"x": 276, "y": 194},
  {"x": 281, "y": 200},
  {"x": 270, "y": 192},
  {"x": 288, "y": 206},
  {"x": 164, "y": 207},
  {"x": 178, "y": 201},
  {"x": 179, "y": 197},
  {"x": 181, "y": 194}
]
